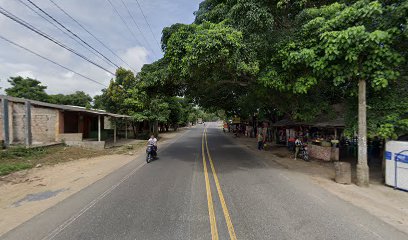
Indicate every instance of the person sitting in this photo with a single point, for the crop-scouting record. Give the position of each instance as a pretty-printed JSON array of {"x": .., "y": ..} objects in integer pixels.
[{"x": 153, "y": 142}]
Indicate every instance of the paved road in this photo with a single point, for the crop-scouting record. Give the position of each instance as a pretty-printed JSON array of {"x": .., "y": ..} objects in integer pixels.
[{"x": 240, "y": 197}]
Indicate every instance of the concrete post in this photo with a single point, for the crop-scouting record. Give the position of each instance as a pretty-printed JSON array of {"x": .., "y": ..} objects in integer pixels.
[
  {"x": 27, "y": 124},
  {"x": 6, "y": 130},
  {"x": 99, "y": 128}
]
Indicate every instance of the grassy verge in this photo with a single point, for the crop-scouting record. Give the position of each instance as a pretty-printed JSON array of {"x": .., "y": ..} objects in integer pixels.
[
  {"x": 19, "y": 158},
  {"x": 7, "y": 168}
]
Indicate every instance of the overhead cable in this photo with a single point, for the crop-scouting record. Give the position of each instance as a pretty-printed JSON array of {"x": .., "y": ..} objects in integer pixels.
[
  {"x": 45, "y": 58},
  {"x": 145, "y": 18},
  {"x": 124, "y": 22},
  {"x": 64, "y": 32},
  {"x": 86, "y": 30},
  {"x": 134, "y": 21},
  {"x": 32, "y": 28},
  {"x": 68, "y": 30}
]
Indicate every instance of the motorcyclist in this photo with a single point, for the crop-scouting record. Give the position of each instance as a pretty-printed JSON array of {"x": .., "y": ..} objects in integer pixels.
[{"x": 152, "y": 142}]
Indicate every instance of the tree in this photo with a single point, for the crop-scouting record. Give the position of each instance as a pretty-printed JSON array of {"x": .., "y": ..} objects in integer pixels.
[
  {"x": 79, "y": 98},
  {"x": 348, "y": 45},
  {"x": 26, "y": 88}
]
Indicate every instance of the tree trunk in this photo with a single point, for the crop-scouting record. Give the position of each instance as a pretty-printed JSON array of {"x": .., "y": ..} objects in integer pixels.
[
  {"x": 134, "y": 130},
  {"x": 156, "y": 128},
  {"x": 362, "y": 167}
]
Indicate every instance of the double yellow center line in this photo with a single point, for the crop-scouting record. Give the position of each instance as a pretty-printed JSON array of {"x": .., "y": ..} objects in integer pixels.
[{"x": 213, "y": 221}]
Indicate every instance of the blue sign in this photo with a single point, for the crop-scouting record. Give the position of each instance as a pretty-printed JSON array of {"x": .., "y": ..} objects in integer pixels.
[
  {"x": 388, "y": 155},
  {"x": 401, "y": 158}
]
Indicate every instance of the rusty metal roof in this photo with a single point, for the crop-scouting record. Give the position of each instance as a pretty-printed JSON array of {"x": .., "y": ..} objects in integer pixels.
[{"x": 64, "y": 107}]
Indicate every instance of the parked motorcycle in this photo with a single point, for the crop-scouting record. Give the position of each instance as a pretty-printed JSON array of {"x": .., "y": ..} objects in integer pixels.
[
  {"x": 151, "y": 153},
  {"x": 304, "y": 154}
]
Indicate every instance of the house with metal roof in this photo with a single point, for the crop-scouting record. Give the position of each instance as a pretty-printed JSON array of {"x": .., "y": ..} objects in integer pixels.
[{"x": 32, "y": 123}]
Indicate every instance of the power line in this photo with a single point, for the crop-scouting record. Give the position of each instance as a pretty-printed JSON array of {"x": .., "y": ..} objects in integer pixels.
[
  {"x": 18, "y": 45},
  {"x": 59, "y": 28},
  {"x": 123, "y": 20},
  {"x": 97, "y": 39},
  {"x": 32, "y": 28},
  {"x": 130, "y": 14},
  {"x": 55, "y": 20},
  {"x": 141, "y": 10}
]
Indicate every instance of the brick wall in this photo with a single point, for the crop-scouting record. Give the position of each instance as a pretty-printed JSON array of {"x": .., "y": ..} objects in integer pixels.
[
  {"x": 17, "y": 120},
  {"x": 1, "y": 120},
  {"x": 44, "y": 122}
]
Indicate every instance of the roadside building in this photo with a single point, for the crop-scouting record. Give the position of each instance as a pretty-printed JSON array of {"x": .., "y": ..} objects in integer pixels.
[{"x": 35, "y": 123}]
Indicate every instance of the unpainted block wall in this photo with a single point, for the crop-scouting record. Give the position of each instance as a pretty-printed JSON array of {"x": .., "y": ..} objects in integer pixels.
[
  {"x": 44, "y": 122},
  {"x": 1, "y": 120}
]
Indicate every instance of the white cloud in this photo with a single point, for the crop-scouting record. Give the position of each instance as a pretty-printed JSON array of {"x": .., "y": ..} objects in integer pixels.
[
  {"x": 103, "y": 23},
  {"x": 136, "y": 57}
]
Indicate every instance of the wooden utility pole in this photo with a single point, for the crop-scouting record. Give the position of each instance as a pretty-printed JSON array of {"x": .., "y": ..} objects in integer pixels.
[{"x": 362, "y": 167}]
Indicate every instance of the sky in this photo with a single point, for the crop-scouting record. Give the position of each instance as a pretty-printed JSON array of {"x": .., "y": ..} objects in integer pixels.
[{"x": 136, "y": 47}]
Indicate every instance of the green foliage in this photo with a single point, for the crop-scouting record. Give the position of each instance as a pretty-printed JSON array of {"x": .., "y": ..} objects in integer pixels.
[
  {"x": 7, "y": 168},
  {"x": 79, "y": 98},
  {"x": 26, "y": 88}
]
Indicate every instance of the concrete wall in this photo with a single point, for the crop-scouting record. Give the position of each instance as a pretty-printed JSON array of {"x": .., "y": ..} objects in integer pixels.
[
  {"x": 70, "y": 137},
  {"x": 87, "y": 144}
]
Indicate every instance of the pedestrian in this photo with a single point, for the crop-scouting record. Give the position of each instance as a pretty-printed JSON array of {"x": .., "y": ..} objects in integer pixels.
[
  {"x": 260, "y": 141},
  {"x": 298, "y": 144}
]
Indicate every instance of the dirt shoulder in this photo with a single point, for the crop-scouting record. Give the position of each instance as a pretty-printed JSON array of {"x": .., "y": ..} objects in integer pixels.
[
  {"x": 27, "y": 193},
  {"x": 382, "y": 201}
]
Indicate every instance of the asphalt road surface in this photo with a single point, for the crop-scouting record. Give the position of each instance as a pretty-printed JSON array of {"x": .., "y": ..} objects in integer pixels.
[{"x": 204, "y": 186}]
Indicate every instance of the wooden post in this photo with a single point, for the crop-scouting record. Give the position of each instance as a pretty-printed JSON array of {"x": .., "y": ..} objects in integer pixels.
[
  {"x": 6, "y": 132},
  {"x": 114, "y": 133},
  {"x": 126, "y": 129},
  {"x": 99, "y": 128},
  {"x": 27, "y": 124}
]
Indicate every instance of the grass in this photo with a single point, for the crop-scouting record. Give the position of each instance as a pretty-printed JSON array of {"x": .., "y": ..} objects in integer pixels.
[
  {"x": 15, "y": 159},
  {"x": 7, "y": 168}
]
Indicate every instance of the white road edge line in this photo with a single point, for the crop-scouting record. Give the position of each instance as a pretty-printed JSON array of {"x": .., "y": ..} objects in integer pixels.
[
  {"x": 68, "y": 222},
  {"x": 89, "y": 206}
]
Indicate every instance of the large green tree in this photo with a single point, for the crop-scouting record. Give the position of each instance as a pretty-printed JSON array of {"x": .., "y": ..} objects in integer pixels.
[{"x": 26, "y": 88}]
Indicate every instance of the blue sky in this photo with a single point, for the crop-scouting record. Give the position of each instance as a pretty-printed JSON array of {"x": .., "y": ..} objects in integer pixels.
[{"x": 99, "y": 18}]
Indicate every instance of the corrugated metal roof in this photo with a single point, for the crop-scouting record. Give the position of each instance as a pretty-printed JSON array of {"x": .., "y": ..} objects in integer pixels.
[{"x": 64, "y": 107}]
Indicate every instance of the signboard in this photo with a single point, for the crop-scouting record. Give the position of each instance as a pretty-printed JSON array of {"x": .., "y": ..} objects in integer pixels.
[
  {"x": 236, "y": 120},
  {"x": 396, "y": 164}
]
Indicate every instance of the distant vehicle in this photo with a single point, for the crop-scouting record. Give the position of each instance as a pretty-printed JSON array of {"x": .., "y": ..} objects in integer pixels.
[{"x": 200, "y": 121}]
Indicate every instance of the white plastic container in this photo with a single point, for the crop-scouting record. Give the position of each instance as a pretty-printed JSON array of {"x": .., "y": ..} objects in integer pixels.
[{"x": 396, "y": 164}]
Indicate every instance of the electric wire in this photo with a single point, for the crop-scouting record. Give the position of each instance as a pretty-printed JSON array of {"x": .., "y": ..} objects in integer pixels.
[
  {"x": 86, "y": 30},
  {"x": 145, "y": 18},
  {"x": 134, "y": 21},
  {"x": 124, "y": 22},
  {"x": 45, "y": 58},
  {"x": 59, "y": 28},
  {"x": 74, "y": 34},
  {"x": 32, "y": 28}
]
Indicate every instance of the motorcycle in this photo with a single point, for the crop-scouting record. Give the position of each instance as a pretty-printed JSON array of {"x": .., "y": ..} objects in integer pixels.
[
  {"x": 151, "y": 153},
  {"x": 304, "y": 154}
]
